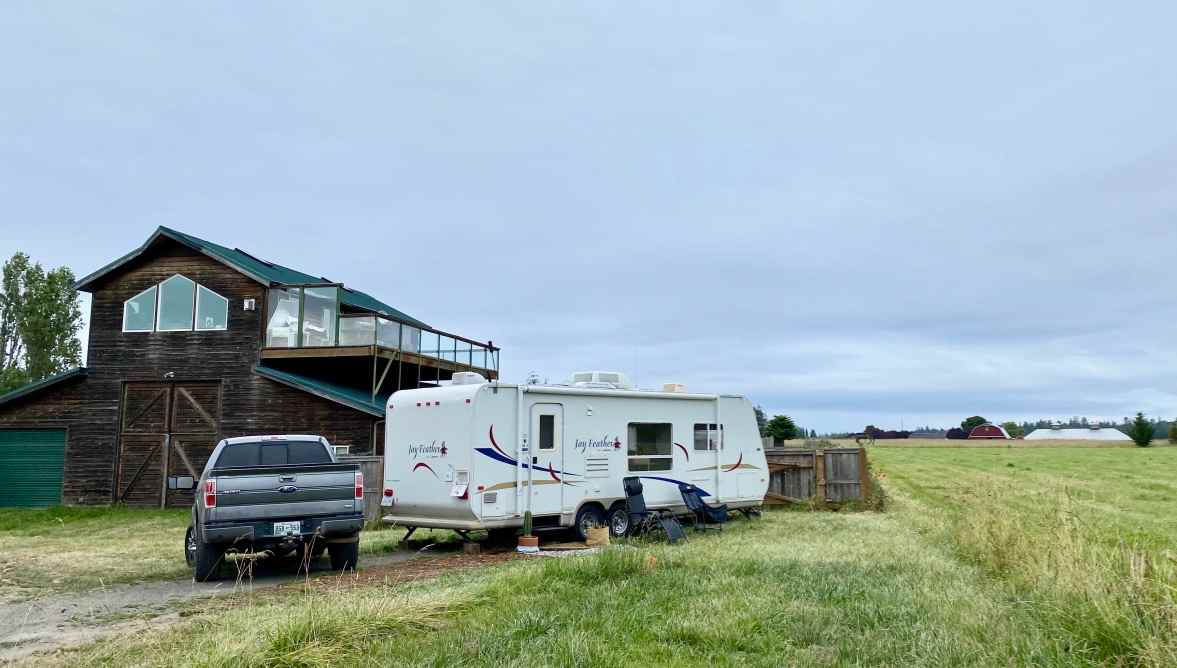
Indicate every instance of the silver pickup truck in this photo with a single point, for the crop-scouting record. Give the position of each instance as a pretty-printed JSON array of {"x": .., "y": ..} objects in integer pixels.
[{"x": 280, "y": 496}]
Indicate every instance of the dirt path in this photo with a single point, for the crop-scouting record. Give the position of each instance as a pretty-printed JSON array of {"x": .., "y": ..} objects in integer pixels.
[{"x": 64, "y": 620}]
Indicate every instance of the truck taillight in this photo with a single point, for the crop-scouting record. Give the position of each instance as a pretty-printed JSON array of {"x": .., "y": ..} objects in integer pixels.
[
  {"x": 210, "y": 493},
  {"x": 359, "y": 485},
  {"x": 388, "y": 492}
]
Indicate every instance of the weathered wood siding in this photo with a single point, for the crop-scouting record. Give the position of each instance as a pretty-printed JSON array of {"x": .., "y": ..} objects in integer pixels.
[
  {"x": 833, "y": 475},
  {"x": 91, "y": 408}
]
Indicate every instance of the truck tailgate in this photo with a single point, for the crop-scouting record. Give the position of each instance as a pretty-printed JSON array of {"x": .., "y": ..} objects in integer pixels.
[{"x": 278, "y": 492}]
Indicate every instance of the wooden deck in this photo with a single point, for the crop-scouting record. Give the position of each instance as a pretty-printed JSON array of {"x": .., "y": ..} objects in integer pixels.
[{"x": 378, "y": 352}]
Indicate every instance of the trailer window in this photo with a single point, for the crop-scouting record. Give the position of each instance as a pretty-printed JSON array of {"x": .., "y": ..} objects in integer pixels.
[
  {"x": 707, "y": 436},
  {"x": 547, "y": 432},
  {"x": 650, "y": 447}
]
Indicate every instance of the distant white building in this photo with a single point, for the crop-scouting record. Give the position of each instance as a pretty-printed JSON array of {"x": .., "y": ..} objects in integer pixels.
[{"x": 1090, "y": 434}]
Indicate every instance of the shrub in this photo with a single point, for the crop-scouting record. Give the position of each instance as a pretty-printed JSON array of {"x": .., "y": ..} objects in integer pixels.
[{"x": 1141, "y": 431}]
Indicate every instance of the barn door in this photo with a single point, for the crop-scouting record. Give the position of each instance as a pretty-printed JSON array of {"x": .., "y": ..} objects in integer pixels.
[{"x": 166, "y": 429}]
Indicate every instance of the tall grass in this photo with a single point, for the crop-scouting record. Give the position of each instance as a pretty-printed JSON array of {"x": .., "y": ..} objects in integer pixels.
[{"x": 1118, "y": 600}]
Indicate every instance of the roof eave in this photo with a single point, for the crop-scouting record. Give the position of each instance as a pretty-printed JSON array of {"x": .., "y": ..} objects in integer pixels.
[
  {"x": 342, "y": 401},
  {"x": 84, "y": 283},
  {"x": 46, "y": 383}
]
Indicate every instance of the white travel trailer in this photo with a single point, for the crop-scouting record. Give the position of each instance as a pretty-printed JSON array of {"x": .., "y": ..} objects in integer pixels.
[{"x": 477, "y": 455}]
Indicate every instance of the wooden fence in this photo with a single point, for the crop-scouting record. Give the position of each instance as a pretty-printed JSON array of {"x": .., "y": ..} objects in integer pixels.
[
  {"x": 373, "y": 470},
  {"x": 833, "y": 475}
]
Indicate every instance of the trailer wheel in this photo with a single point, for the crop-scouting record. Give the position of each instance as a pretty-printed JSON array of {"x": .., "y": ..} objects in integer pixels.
[
  {"x": 587, "y": 517},
  {"x": 618, "y": 520}
]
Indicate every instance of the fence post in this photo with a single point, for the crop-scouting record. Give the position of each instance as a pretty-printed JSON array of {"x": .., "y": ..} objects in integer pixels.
[
  {"x": 863, "y": 475},
  {"x": 819, "y": 470}
]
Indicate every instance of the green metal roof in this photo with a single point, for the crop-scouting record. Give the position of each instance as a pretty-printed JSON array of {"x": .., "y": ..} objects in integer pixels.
[
  {"x": 348, "y": 396},
  {"x": 33, "y": 388},
  {"x": 261, "y": 271}
]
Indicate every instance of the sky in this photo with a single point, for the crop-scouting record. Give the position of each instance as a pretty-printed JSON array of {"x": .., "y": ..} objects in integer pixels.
[{"x": 852, "y": 213}]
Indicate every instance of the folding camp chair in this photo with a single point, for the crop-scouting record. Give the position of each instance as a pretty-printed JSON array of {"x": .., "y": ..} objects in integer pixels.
[
  {"x": 642, "y": 519},
  {"x": 702, "y": 513}
]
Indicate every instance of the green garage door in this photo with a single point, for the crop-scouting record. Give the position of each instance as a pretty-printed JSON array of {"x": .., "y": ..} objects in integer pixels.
[{"x": 30, "y": 466}]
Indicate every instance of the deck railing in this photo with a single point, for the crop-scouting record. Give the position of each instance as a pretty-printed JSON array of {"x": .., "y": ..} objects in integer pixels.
[{"x": 309, "y": 317}]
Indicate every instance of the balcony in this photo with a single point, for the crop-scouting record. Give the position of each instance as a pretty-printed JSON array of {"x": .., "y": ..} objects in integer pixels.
[{"x": 307, "y": 322}]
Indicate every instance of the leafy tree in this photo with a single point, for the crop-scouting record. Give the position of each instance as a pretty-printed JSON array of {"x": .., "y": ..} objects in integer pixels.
[
  {"x": 972, "y": 423},
  {"x": 1014, "y": 429},
  {"x": 812, "y": 433},
  {"x": 761, "y": 419},
  {"x": 781, "y": 427},
  {"x": 1141, "y": 431},
  {"x": 40, "y": 318},
  {"x": 1173, "y": 432}
]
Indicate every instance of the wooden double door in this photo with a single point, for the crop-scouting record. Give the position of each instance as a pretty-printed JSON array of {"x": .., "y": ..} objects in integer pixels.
[{"x": 165, "y": 429}]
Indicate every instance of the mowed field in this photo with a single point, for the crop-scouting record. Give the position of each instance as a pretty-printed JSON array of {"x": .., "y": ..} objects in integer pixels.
[{"x": 983, "y": 556}]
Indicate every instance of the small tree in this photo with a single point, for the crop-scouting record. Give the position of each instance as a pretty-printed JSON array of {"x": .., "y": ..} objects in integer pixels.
[
  {"x": 39, "y": 322},
  {"x": 1173, "y": 432},
  {"x": 1014, "y": 429},
  {"x": 761, "y": 419},
  {"x": 1141, "y": 431},
  {"x": 972, "y": 423},
  {"x": 781, "y": 428}
]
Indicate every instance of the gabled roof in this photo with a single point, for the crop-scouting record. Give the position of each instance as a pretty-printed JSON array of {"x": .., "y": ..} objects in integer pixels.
[
  {"x": 348, "y": 396},
  {"x": 33, "y": 388},
  {"x": 266, "y": 273}
]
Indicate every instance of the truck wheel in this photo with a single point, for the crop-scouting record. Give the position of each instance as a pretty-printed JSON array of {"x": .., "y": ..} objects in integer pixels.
[
  {"x": 190, "y": 547},
  {"x": 586, "y": 518},
  {"x": 344, "y": 556},
  {"x": 618, "y": 520},
  {"x": 206, "y": 560}
]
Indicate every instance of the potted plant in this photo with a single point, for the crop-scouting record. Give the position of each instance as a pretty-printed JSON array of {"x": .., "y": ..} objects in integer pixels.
[{"x": 528, "y": 542}]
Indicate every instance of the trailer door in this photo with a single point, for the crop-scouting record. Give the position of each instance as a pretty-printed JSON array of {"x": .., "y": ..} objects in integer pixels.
[
  {"x": 547, "y": 459},
  {"x": 706, "y": 457}
]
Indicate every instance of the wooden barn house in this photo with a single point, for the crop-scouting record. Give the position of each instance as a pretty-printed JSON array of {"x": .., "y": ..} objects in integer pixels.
[{"x": 191, "y": 342}]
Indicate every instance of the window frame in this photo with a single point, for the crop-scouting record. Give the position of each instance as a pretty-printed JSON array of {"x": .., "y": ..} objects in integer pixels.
[
  {"x": 668, "y": 457},
  {"x": 709, "y": 428},
  {"x": 155, "y": 313},
  {"x": 196, "y": 311},
  {"x": 159, "y": 305}
]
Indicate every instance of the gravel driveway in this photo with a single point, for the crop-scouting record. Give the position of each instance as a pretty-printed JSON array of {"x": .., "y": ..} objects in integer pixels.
[{"x": 63, "y": 620}]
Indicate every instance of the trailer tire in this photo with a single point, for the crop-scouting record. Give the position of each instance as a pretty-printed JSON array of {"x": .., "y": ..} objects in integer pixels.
[
  {"x": 344, "y": 556},
  {"x": 619, "y": 521},
  {"x": 207, "y": 560},
  {"x": 589, "y": 516}
]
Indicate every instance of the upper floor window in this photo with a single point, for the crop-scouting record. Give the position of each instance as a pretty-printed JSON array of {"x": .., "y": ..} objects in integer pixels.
[{"x": 176, "y": 305}]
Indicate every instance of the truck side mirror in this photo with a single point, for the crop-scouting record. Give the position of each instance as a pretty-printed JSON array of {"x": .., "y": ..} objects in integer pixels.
[{"x": 181, "y": 482}]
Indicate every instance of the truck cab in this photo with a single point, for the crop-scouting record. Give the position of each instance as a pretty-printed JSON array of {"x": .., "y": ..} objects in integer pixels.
[{"x": 273, "y": 496}]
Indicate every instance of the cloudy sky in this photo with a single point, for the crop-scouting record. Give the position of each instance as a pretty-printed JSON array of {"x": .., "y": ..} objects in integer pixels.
[{"x": 852, "y": 212}]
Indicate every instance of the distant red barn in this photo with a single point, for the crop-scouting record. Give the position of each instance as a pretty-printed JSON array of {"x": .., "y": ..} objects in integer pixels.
[{"x": 990, "y": 431}]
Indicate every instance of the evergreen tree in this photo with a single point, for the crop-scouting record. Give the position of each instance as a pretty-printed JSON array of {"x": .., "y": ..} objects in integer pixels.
[
  {"x": 781, "y": 428},
  {"x": 1141, "y": 431}
]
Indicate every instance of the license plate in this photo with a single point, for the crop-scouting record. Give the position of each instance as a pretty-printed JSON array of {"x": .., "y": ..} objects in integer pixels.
[{"x": 285, "y": 528}]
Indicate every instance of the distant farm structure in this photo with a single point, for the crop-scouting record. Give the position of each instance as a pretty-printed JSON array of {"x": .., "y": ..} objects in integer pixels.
[{"x": 989, "y": 431}]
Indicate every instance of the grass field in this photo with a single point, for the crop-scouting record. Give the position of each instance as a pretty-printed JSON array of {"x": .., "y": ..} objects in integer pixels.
[
  {"x": 984, "y": 557},
  {"x": 48, "y": 550}
]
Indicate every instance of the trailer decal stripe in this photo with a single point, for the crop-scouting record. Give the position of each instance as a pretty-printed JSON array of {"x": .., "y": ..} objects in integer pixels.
[
  {"x": 684, "y": 451},
  {"x": 423, "y": 465},
  {"x": 494, "y": 442}
]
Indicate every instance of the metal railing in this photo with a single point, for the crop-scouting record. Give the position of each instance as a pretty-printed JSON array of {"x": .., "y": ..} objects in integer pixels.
[{"x": 289, "y": 325}]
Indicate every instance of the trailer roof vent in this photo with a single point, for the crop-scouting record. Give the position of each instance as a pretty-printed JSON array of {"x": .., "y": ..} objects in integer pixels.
[
  {"x": 677, "y": 388},
  {"x": 605, "y": 379},
  {"x": 467, "y": 378}
]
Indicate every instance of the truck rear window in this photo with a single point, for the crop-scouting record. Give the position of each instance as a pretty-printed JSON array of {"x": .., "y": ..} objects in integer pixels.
[{"x": 272, "y": 453}]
